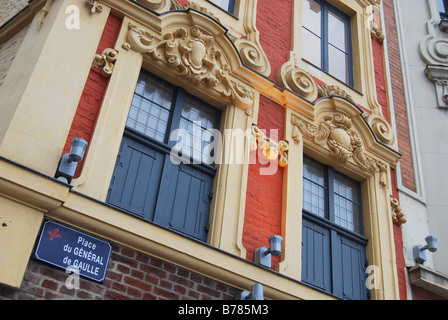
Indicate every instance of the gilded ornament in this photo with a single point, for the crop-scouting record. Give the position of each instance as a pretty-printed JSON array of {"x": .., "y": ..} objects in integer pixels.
[
  {"x": 269, "y": 148},
  {"x": 376, "y": 32},
  {"x": 397, "y": 214}
]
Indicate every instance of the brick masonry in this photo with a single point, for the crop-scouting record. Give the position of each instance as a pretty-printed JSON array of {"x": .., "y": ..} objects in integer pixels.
[
  {"x": 401, "y": 116},
  {"x": 274, "y": 20},
  {"x": 89, "y": 106},
  {"x": 263, "y": 214},
  {"x": 131, "y": 275}
]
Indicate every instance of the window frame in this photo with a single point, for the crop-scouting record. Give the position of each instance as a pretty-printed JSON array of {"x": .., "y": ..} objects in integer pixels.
[
  {"x": 335, "y": 235},
  {"x": 230, "y": 8},
  {"x": 174, "y": 119},
  {"x": 164, "y": 148},
  {"x": 325, "y": 11},
  {"x": 443, "y": 11},
  {"x": 329, "y": 221}
]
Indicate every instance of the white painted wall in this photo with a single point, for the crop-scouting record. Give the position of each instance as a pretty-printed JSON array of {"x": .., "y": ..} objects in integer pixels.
[{"x": 427, "y": 209}]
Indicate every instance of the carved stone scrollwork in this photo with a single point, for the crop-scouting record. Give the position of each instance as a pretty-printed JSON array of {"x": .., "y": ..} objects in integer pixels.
[
  {"x": 94, "y": 6},
  {"x": 299, "y": 81},
  {"x": 157, "y": 5},
  {"x": 193, "y": 55},
  {"x": 195, "y": 6},
  {"x": 252, "y": 55},
  {"x": 336, "y": 133},
  {"x": 106, "y": 59},
  {"x": 330, "y": 90},
  {"x": 269, "y": 148},
  {"x": 438, "y": 74},
  {"x": 397, "y": 214},
  {"x": 376, "y": 32},
  {"x": 382, "y": 129}
]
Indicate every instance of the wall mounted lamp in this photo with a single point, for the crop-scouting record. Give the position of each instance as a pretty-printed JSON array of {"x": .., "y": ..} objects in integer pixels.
[
  {"x": 263, "y": 255},
  {"x": 255, "y": 294},
  {"x": 69, "y": 161},
  {"x": 419, "y": 250}
]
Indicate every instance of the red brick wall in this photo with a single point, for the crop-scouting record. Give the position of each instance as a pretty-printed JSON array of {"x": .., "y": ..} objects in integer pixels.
[
  {"x": 401, "y": 116},
  {"x": 274, "y": 24},
  {"x": 89, "y": 106},
  {"x": 403, "y": 137},
  {"x": 380, "y": 77},
  {"x": 399, "y": 104},
  {"x": 130, "y": 276},
  {"x": 263, "y": 213}
]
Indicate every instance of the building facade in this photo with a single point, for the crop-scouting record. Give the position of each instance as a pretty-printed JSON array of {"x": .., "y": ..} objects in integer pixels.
[
  {"x": 422, "y": 37},
  {"x": 209, "y": 127}
]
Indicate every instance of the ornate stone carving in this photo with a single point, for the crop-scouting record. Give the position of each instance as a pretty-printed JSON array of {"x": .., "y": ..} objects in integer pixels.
[
  {"x": 269, "y": 148},
  {"x": 299, "y": 81},
  {"x": 195, "y": 6},
  {"x": 397, "y": 214},
  {"x": 157, "y": 5},
  {"x": 336, "y": 133},
  {"x": 106, "y": 59},
  {"x": 330, "y": 90},
  {"x": 382, "y": 129},
  {"x": 252, "y": 55},
  {"x": 434, "y": 46},
  {"x": 439, "y": 75},
  {"x": 193, "y": 55},
  {"x": 94, "y": 6},
  {"x": 376, "y": 32}
]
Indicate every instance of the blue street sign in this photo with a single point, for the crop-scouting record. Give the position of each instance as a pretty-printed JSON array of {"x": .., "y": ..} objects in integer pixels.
[{"x": 65, "y": 247}]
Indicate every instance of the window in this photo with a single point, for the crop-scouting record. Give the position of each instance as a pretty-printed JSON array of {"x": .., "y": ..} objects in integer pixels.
[
  {"x": 227, "y": 5},
  {"x": 333, "y": 248},
  {"x": 327, "y": 39},
  {"x": 147, "y": 182},
  {"x": 443, "y": 9}
]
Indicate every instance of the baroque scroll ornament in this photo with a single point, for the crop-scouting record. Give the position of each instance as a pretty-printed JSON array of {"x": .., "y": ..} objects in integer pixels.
[
  {"x": 268, "y": 147},
  {"x": 335, "y": 132},
  {"x": 107, "y": 59},
  {"x": 195, "y": 56}
]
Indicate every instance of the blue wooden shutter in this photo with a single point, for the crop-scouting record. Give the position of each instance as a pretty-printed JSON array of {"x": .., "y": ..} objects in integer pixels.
[
  {"x": 316, "y": 264},
  {"x": 185, "y": 195},
  {"x": 349, "y": 275},
  {"x": 136, "y": 179}
]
